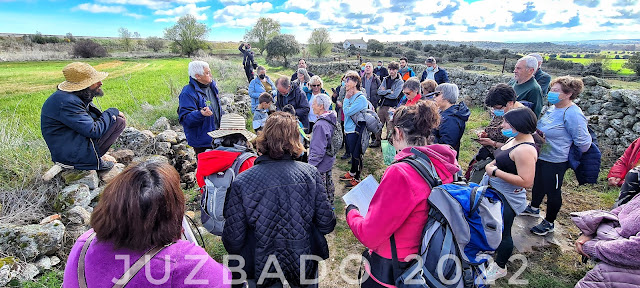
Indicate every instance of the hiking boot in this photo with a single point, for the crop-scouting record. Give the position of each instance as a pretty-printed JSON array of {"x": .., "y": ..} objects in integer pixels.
[
  {"x": 105, "y": 165},
  {"x": 494, "y": 272},
  {"x": 543, "y": 228},
  {"x": 352, "y": 183},
  {"x": 346, "y": 177},
  {"x": 530, "y": 211},
  {"x": 374, "y": 144},
  {"x": 345, "y": 156}
]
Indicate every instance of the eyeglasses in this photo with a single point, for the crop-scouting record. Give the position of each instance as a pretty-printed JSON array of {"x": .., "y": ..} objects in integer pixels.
[{"x": 315, "y": 85}]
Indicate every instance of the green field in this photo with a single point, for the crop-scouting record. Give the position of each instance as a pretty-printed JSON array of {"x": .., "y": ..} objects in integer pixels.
[{"x": 614, "y": 64}]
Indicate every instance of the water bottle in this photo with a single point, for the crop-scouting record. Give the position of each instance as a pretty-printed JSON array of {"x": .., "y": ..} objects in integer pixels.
[{"x": 391, "y": 114}]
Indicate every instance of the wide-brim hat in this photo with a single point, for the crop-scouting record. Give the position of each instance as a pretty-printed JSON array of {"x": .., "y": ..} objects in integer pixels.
[
  {"x": 79, "y": 76},
  {"x": 231, "y": 124}
]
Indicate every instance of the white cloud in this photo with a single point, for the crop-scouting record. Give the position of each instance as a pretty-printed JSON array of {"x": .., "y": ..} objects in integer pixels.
[
  {"x": 182, "y": 10},
  {"x": 134, "y": 15},
  {"x": 240, "y": 16},
  {"x": 299, "y": 4},
  {"x": 291, "y": 19},
  {"x": 151, "y": 4},
  {"x": 235, "y": 2},
  {"x": 96, "y": 8}
]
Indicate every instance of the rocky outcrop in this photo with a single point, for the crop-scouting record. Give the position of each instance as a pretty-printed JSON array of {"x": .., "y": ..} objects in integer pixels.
[{"x": 30, "y": 241}]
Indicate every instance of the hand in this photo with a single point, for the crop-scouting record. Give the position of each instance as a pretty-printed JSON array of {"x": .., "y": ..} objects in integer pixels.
[
  {"x": 482, "y": 134},
  {"x": 490, "y": 167},
  {"x": 120, "y": 114},
  {"x": 350, "y": 93},
  {"x": 339, "y": 104},
  {"x": 581, "y": 240},
  {"x": 206, "y": 112},
  {"x": 486, "y": 142},
  {"x": 614, "y": 181}
]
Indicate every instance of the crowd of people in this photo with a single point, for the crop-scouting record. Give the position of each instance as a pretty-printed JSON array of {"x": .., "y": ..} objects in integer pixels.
[{"x": 280, "y": 204}]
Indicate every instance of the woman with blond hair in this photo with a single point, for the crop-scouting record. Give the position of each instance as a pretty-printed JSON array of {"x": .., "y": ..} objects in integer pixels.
[{"x": 278, "y": 208}]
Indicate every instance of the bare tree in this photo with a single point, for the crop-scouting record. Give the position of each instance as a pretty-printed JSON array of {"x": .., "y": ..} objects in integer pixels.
[
  {"x": 125, "y": 35},
  {"x": 320, "y": 42}
]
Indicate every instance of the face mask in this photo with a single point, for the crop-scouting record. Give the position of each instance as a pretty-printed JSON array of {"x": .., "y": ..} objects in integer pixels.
[
  {"x": 362, "y": 68},
  {"x": 499, "y": 113},
  {"x": 509, "y": 133},
  {"x": 553, "y": 97},
  {"x": 430, "y": 69},
  {"x": 379, "y": 66},
  {"x": 343, "y": 83},
  {"x": 261, "y": 76}
]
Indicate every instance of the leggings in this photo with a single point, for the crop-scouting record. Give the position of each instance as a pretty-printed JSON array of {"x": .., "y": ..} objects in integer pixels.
[
  {"x": 506, "y": 246},
  {"x": 548, "y": 181},
  {"x": 353, "y": 144}
]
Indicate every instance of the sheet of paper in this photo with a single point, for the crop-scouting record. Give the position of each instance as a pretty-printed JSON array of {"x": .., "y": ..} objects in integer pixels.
[{"x": 361, "y": 194}]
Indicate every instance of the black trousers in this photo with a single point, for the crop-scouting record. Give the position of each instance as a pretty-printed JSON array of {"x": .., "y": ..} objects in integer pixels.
[
  {"x": 506, "y": 246},
  {"x": 112, "y": 134},
  {"x": 248, "y": 70},
  {"x": 548, "y": 181}
]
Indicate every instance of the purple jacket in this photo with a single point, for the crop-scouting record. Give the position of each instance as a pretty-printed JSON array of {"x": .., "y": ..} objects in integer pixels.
[
  {"x": 320, "y": 137},
  {"x": 172, "y": 267},
  {"x": 616, "y": 243}
]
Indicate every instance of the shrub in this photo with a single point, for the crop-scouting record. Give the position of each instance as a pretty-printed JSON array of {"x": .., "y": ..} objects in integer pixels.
[{"x": 88, "y": 49}]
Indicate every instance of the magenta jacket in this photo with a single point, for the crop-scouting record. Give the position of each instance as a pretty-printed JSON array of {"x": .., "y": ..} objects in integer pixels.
[
  {"x": 171, "y": 267},
  {"x": 400, "y": 206},
  {"x": 616, "y": 244}
]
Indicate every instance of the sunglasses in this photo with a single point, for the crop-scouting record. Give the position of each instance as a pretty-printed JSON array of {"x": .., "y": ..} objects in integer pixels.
[{"x": 315, "y": 85}]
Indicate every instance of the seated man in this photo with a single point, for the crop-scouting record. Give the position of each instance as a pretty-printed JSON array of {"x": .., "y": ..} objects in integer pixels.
[{"x": 76, "y": 131}]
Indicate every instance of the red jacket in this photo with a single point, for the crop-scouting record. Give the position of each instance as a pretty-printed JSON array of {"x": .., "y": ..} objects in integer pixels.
[
  {"x": 629, "y": 159},
  {"x": 400, "y": 206},
  {"x": 217, "y": 161}
]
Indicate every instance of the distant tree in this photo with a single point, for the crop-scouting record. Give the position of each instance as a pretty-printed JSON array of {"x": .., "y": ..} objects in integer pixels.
[
  {"x": 283, "y": 45},
  {"x": 634, "y": 63},
  {"x": 352, "y": 49},
  {"x": 553, "y": 55},
  {"x": 375, "y": 46},
  {"x": 390, "y": 50},
  {"x": 187, "y": 35},
  {"x": 125, "y": 36},
  {"x": 427, "y": 47},
  {"x": 88, "y": 49},
  {"x": 69, "y": 38},
  {"x": 504, "y": 51},
  {"x": 411, "y": 55},
  {"x": 154, "y": 43},
  {"x": 319, "y": 42},
  {"x": 416, "y": 44},
  {"x": 38, "y": 38},
  {"x": 264, "y": 30},
  {"x": 136, "y": 35},
  {"x": 617, "y": 56}
]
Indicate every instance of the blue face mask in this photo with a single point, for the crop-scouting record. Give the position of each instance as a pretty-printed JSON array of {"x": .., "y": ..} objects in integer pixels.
[
  {"x": 379, "y": 66},
  {"x": 343, "y": 83},
  {"x": 430, "y": 69},
  {"x": 509, "y": 133},
  {"x": 498, "y": 112},
  {"x": 553, "y": 97}
]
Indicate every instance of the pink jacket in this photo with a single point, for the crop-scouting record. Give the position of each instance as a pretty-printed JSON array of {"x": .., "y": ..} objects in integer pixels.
[{"x": 400, "y": 206}]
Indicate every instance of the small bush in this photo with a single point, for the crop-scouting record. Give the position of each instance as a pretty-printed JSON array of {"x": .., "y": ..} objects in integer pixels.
[{"x": 88, "y": 49}]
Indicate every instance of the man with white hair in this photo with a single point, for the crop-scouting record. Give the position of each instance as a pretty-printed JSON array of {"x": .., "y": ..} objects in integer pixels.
[
  {"x": 453, "y": 117},
  {"x": 199, "y": 109},
  {"x": 543, "y": 78},
  {"x": 525, "y": 84},
  {"x": 320, "y": 139}
]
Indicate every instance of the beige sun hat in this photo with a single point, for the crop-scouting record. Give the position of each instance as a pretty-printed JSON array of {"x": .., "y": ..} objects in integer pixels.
[
  {"x": 231, "y": 124},
  {"x": 79, "y": 76}
]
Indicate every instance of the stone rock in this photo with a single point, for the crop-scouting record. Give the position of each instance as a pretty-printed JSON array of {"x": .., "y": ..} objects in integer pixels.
[
  {"x": 594, "y": 109},
  {"x": 616, "y": 95},
  {"x": 161, "y": 124},
  {"x": 77, "y": 216},
  {"x": 168, "y": 136},
  {"x": 89, "y": 178},
  {"x": 628, "y": 121},
  {"x": 636, "y": 127},
  {"x": 611, "y": 133},
  {"x": 631, "y": 98},
  {"x": 189, "y": 178},
  {"x": 242, "y": 91},
  {"x": 181, "y": 137},
  {"x": 162, "y": 148},
  {"x": 55, "y": 260},
  {"x": 7, "y": 273},
  {"x": 95, "y": 193},
  {"x": 109, "y": 158},
  {"x": 27, "y": 272},
  {"x": 145, "y": 158},
  {"x": 30, "y": 241},
  {"x": 632, "y": 111},
  {"x": 524, "y": 241},
  {"x": 50, "y": 218},
  {"x": 43, "y": 263},
  {"x": 107, "y": 176},
  {"x": 123, "y": 156},
  {"x": 136, "y": 140},
  {"x": 70, "y": 196}
]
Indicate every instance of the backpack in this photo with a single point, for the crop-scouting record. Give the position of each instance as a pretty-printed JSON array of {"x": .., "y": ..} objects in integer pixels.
[
  {"x": 335, "y": 143},
  {"x": 465, "y": 222},
  {"x": 214, "y": 193},
  {"x": 370, "y": 117}
]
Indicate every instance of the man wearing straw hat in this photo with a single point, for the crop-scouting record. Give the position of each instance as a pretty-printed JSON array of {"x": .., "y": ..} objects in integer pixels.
[{"x": 77, "y": 133}]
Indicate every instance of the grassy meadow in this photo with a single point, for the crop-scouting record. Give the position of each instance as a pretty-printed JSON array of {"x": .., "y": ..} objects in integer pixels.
[{"x": 146, "y": 89}]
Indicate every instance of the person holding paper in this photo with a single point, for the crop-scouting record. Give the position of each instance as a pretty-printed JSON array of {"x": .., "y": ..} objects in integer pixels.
[{"x": 399, "y": 206}]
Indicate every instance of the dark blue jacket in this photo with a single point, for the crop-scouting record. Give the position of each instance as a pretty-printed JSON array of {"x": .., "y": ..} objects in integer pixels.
[
  {"x": 586, "y": 165},
  {"x": 298, "y": 99},
  {"x": 452, "y": 124},
  {"x": 275, "y": 208},
  {"x": 71, "y": 128},
  {"x": 191, "y": 100},
  {"x": 440, "y": 77}
]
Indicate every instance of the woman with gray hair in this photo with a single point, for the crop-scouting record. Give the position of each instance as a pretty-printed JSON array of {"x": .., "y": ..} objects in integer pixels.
[
  {"x": 313, "y": 88},
  {"x": 411, "y": 91},
  {"x": 321, "y": 138},
  {"x": 303, "y": 77},
  {"x": 453, "y": 116}
]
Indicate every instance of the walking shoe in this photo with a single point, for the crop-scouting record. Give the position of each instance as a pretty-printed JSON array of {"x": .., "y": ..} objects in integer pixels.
[
  {"x": 346, "y": 177},
  {"x": 105, "y": 165},
  {"x": 345, "y": 156},
  {"x": 530, "y": 211},
  {"x": 543, "y": 228},
  {"x": 353, "y": 182},
  {"x": 374, "y": 144},
  {"x": 494, "y": 272}
]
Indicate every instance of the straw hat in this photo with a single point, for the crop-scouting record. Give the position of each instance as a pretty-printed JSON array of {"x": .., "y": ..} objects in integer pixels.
[
  {"x": 79, "y": 76},
  {"x": 231, "y": 124}
]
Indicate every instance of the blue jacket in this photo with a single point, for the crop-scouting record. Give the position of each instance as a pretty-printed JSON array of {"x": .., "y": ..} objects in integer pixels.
[
  {"x": 452, "y": 124},
  {"x": 441, "y": 76},
  {"x": 298, "y": 99},
  {"x": 71, "y": 129},
  {"x": 196, "y": 126},
  {"x": 586, "y": 165},
  {"x": 350, "y": 107},
  {"x": 256, "y": 88}
]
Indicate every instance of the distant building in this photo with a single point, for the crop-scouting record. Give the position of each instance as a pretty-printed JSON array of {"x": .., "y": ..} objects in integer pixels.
[{"x": 358, "y": 43}]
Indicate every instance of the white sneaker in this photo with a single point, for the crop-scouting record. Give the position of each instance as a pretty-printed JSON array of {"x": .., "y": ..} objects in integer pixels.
[{"x": 494, "y": 272}]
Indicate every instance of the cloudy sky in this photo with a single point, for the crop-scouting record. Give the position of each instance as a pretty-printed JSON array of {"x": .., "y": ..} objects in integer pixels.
[{"x": 385, "y": 20}]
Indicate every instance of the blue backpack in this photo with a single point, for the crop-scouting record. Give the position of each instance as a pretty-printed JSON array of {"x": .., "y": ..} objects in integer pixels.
[{"x": 463, "y": 228}]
